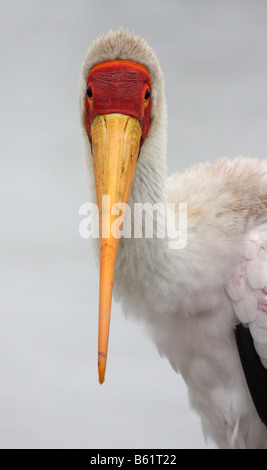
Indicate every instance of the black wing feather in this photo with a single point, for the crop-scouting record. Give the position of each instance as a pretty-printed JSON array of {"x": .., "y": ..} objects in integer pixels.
[{"x": 255, "y": 373}]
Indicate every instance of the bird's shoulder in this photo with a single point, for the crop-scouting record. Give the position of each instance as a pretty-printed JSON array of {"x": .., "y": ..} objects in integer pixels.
[
  {"x": 224, "y": 195},
  {"x": 227, "y": 234}
]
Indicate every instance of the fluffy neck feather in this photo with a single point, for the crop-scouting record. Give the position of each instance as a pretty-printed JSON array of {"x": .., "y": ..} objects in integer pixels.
[{"x": 135, "y": 264}]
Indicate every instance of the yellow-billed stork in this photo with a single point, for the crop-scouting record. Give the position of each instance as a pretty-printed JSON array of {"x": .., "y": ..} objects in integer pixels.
[{"x": 205, "y": 305}]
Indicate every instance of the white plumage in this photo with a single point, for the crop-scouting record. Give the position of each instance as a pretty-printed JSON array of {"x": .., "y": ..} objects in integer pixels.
[
  {"x": 248, "y": 291},
  {"x": 190, "y": 300}
]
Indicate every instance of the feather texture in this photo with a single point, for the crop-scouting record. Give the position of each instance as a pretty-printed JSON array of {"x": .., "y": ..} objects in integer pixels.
[{"x": 248, "y": 288}]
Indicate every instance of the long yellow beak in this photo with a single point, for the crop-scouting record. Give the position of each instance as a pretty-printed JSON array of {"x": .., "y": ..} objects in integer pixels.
[{"x": 115, "y": 147}]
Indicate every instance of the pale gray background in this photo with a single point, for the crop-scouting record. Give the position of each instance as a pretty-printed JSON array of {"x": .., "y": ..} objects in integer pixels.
[{"x": 214, "y": 56}]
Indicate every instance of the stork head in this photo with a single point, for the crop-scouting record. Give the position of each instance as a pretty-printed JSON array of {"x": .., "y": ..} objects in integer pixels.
[{"x": 120, "y": 85}]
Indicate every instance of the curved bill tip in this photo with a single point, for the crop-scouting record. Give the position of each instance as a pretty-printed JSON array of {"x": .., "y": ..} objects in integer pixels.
[{"x": 101, "y": 368}]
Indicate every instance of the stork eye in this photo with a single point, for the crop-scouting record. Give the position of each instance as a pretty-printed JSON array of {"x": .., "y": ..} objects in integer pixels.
[
  {"x": 89, "y": 92},
  {"x": 148, "y": 93}
]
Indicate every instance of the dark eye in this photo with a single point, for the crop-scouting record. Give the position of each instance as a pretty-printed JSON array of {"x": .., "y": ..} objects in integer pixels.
[
  {"x": 148, "y": 93},
  {"x": 89, "y": 92}
]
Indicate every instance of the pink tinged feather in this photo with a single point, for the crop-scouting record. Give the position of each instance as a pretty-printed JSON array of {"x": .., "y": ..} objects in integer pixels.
[
  {"x": 256, "y": 273},
  {"x": 258, "y": 333},
  {"x": 237, "y": 290},
  {"x": 246, "y": 309},
  {"x": 261, "y": 319}
]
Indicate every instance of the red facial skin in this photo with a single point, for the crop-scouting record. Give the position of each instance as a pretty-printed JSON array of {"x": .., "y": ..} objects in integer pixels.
[{"x": 119, "y": 86}]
